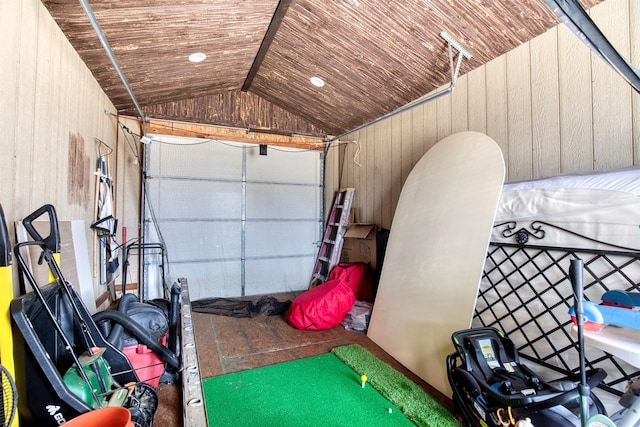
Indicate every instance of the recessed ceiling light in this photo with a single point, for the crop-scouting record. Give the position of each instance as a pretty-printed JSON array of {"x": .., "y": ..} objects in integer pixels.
[
  {"x": 197, "y": 57},
  {"x": 317, "y": 81}
]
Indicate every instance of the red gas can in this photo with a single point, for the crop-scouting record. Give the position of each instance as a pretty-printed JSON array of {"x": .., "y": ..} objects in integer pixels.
[{"x": 148, "y": 365}]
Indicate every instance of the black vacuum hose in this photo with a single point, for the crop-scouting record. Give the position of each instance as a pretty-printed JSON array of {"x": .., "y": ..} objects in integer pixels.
[
  {"x": 115, "y": 336},
  {"x": 139, "y": 333},
  {"x": 174, "y": 309}
]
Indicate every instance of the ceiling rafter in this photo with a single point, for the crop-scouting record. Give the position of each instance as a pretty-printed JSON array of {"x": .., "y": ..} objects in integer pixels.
[{"x": 279, "y": 14}]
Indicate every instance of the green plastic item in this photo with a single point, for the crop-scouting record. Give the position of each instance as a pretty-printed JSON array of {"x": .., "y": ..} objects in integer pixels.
[{"x": 98, "y": 372}]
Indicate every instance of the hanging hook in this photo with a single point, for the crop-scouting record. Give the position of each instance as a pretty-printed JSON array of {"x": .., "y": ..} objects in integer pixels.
[{"x": 102, "y": 145}]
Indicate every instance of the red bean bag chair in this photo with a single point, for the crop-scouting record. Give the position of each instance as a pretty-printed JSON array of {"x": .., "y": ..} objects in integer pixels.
[
  {"x": 322, "y": 307},
  {"x": 357, "y": 275}
]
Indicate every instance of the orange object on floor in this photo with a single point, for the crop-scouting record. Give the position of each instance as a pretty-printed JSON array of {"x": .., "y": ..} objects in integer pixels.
[{"x": 112, "y": 416}]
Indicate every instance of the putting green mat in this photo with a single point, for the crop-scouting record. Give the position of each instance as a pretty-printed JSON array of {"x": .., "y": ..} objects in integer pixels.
[
  {"x": 417, "y": 405},
  {"x": 316, "y": 391}
]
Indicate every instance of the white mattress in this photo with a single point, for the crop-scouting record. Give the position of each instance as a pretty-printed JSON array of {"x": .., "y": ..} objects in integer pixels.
[{"x": 600, "y": 205}]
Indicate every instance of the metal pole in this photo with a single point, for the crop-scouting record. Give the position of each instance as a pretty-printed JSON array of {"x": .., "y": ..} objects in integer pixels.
[
  {"x": 112, "y": 57},
  {"x": 575, "y": 273}
]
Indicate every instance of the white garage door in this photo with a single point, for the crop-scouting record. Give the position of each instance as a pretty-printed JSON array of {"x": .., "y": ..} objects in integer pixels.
[{"x": 234, "y": 222}]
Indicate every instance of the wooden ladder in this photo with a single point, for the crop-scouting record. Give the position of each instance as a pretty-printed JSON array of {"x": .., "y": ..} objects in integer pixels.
[{"x": 331, "y": 246}]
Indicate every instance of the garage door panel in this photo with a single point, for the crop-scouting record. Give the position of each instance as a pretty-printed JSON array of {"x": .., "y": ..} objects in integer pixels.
[
  {"x": 277, "y": 238},
  {"x": 210, "y": 279},
  {"x": 282, "y": 201},
  {"x": 190, "y": 241},
  {"x": 303, "y": 166},
  {"x": 198, "y": 199},
  {"x": 176, "y": 156},
  {"x": 278, "y": 275}
]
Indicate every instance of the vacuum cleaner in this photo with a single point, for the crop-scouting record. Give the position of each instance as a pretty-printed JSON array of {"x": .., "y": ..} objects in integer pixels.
[
  {"x": 146, "y": 332},
  {"x": 491, "y": 387}
]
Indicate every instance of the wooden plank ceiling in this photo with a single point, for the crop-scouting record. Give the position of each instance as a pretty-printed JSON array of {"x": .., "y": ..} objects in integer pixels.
[{"x": 374, "y": 56}]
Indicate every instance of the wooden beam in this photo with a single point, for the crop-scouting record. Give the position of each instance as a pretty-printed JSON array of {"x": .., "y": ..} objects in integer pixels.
[
  {"x": 278, "y": 15},
  {"x": 252, "y": 136}
]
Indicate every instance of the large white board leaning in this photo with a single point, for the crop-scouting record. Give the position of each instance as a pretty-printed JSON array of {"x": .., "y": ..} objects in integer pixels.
[{"x": 435, "y": 254}]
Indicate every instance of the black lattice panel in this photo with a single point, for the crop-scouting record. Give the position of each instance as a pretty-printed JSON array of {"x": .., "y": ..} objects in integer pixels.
[{"x": 526, "y": 292}]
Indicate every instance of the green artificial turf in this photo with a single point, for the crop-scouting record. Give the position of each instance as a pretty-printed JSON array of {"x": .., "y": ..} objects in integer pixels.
[
  {"x": 417, "y": 405},
  {"x": 316, "y": 391}
]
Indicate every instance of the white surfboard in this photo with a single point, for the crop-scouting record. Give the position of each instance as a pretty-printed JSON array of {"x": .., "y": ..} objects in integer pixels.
[{"x": 435, "y": 254}]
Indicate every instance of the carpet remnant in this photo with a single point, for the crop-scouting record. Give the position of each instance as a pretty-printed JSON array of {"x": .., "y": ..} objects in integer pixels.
[
  {"x": 413, "y": 401},
  {"x": 309, "y": 392}
]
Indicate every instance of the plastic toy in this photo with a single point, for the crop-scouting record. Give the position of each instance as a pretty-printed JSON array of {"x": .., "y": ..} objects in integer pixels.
[{"x": 616, "y": 309}]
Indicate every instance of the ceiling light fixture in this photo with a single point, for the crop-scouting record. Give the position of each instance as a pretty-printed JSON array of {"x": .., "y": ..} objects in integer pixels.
[
  {"x": 317, "y": 81},
  {"x": 197, "y": 57}
]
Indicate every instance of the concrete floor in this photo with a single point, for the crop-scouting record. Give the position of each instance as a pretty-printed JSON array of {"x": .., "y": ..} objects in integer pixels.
[{"x": 227, "y": 344}]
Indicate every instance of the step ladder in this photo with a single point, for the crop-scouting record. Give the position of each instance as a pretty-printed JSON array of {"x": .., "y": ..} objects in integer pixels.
[{"x": 331, "y": 245}]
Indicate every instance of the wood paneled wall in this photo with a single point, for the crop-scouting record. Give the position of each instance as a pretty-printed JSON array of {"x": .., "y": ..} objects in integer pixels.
[
  {"x": 551, "y": 105},
  {"x": 51, "y": 113}
]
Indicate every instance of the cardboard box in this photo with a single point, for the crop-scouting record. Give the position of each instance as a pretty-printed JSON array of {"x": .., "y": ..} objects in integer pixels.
[{"x": 360, "y": 244}]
